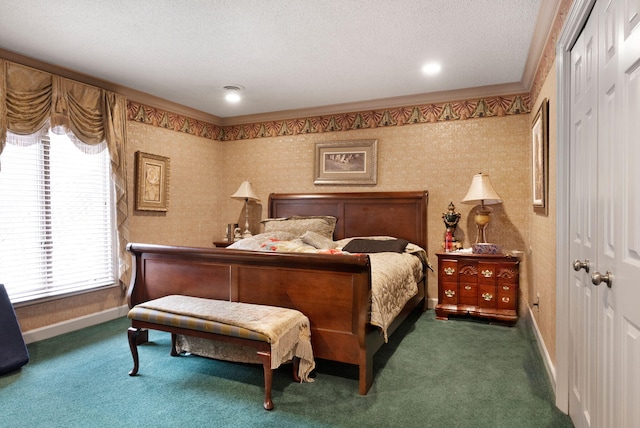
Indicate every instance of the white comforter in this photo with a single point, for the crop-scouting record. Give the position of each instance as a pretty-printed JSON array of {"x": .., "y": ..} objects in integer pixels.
[{"x": 395, "y": 276}]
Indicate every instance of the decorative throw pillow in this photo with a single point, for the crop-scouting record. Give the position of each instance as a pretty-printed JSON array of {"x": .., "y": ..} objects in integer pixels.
[
  {"x": 318, "y": 241},
  {"x": 376, "y": 246},
  {"x": 298, "y": 225}
]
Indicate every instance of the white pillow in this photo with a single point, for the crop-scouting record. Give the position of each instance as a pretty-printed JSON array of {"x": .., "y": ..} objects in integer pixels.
[{"x": 318, "y": 241}]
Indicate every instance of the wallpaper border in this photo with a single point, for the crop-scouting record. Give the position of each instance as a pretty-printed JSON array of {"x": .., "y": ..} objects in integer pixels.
[{"x": 427, "y": 113}]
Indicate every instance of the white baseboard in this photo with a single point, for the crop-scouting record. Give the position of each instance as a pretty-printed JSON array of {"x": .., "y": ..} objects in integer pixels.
[
  {"x": 68, "y": 326},
  {"x": 551, "y": 369},
  {"x": 432, "y": 302}
]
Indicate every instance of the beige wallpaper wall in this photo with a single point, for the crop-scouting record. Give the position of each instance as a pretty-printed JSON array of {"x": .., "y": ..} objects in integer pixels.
[
  {"x": 541, "y": 262},
  {"x": 196, "y": 169}
]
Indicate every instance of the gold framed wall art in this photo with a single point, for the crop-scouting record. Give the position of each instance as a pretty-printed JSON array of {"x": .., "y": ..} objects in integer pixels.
[
  {"x": 351, "y": 162},
  {"x": 152, "y": 182},
  {"x": 540, "y": 157}
]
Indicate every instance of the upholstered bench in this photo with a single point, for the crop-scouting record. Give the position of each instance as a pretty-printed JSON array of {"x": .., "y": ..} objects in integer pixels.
[{"x": 276, "y": 334}]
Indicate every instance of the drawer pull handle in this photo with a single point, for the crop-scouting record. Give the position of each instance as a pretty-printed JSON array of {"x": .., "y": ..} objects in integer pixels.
[
  {"x": 505, "y": 287},
  {"x": 449, "y": 271},
  {"x": 487, "y": 273},
  {"x": 449, "y": 293},
  {"x": 505, "y": 299},
  {"x": 467, "y": 287},
  {"x": 487, "y": 296}
]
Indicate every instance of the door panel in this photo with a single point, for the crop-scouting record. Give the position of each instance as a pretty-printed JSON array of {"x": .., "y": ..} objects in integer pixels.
[
  {"x": 631, "y": 16},
  {"x": 608, "y": 208},
  {"x": 583, "y": 225},
  {"x": 626, "y": 285},
  {"x": 630, "y": 392}
]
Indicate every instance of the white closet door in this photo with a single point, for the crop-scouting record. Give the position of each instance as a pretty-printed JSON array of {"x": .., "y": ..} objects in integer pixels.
[
  {"x": 604, "y": 375},
  {"x": 583, "y": 227}
]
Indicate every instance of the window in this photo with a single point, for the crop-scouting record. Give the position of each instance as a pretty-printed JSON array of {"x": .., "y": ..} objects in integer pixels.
[{"x": 56, "y": 218}]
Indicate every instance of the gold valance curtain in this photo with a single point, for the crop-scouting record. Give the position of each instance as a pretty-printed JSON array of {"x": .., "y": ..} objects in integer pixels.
[
  {"x": 33, "y": 97},
  {"x": 30, "y": 98}
]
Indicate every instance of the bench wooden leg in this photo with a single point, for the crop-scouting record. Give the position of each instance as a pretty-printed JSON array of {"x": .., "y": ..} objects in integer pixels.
[
  {"x": 268, "y": 378},
  {"x": 133, "y": 334},
  {"x": 174, "y": 338}
]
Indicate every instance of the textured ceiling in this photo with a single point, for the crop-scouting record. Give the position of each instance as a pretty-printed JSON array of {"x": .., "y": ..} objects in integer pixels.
[{"x": 288, "y": 54}]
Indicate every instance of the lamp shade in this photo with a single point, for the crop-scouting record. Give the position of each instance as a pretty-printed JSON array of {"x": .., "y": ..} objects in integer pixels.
[
  {"x": 245, "y": 192},
  {"x": 481, "y": 191}
]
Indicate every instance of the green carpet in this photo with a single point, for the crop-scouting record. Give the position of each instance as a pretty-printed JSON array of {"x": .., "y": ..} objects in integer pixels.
[{"x": 431, "y": 374}]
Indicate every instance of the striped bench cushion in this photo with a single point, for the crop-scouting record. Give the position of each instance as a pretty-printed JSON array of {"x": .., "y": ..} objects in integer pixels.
[{"x": 193, "y": 323}]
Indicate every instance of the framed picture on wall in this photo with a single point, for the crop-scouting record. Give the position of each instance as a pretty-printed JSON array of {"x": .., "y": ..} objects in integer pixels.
[
  {"x": 540, "y": 157},
  {"x": 152, "y": 182},
  {"x": 351, "y": 162}
]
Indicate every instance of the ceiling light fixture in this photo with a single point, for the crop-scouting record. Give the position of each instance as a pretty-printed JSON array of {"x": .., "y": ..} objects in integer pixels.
[
  {"x": 232, "y": 93},
  {"x": 431, "y": 69}
]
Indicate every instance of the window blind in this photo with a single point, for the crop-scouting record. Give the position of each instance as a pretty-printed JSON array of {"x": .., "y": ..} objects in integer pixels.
[{"x": 56, "y": 218}]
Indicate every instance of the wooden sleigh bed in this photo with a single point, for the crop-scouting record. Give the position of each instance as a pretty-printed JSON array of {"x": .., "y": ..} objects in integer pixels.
[{"x": 333, "y": 291}]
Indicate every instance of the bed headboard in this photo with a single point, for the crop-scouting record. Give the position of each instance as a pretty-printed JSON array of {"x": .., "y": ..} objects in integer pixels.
[{"x": 398, "y": 214}]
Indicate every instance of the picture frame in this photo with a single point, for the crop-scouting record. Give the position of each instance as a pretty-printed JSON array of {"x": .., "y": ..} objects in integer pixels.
[
  {"x": 152, "y": 182},
  {"x": 540, "y": 158},
  {"x": 351, "y": 162}
]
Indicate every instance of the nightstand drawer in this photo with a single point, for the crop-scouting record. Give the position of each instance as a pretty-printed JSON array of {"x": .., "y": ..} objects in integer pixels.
[
  {"x": 507, "y": 296},
  {"x": 487, "y": 296},
  {"x": 468, "y": 294},
  {"x": 508, "y": 275},
  {"x": 449, "y": 294},
  {"x": 487, "y": 273},
  {"x": 449, "y": 271},
  {"x": 468, "y": 273}
]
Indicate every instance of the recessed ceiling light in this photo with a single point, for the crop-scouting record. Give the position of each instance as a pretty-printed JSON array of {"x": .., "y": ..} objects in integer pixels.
[
  {"x": 232, "y": 93},
  {"x": 431, "y": 68}
]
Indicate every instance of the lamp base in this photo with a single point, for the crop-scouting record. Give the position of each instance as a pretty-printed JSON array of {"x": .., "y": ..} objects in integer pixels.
[
  {"x": 246, "y": 233},
  {"x": 481, "y": 219}
]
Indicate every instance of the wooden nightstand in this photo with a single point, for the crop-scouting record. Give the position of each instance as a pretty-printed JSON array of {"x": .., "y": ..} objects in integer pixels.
[
  {"x": 222, "y": 244},
  {"x": 478, "y": 285}
]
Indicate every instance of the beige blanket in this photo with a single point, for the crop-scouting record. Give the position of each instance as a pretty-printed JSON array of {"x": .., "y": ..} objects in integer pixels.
[
  {"x": 287, "y": 329},
  {"x": 394, "y": 277}
]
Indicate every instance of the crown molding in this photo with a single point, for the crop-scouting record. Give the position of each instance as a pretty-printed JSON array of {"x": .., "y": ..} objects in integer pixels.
[{"x": 542, "y": 33}]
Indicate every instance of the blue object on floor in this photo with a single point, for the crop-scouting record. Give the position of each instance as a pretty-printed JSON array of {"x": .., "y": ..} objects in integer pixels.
[{"x": 13, "y": 351}]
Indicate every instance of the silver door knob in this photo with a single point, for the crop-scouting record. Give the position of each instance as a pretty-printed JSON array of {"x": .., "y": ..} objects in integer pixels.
[
  {"x": 597, "y": 278},
  {"x": 577, "y": 265}
]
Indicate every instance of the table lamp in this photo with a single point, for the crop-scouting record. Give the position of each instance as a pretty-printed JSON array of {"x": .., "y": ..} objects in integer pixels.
[
  {"x": 245, "y": 192},
  {"x": 482, "y": 192}
]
